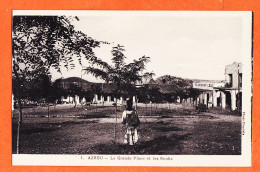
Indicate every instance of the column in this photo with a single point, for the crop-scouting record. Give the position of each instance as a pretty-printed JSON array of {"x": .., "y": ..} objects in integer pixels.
[
  {"x": 77, "y": 99},
  {"x": 198, "y": 101},
  {"x": 205, "y": 98},
  {"x": 109, "y": 98},
  {"x": 215, "y": 97},
  {"x": 223, "y": 100},
  {"x": 178, "y": 99},
  {"x": 201, "y": 98},
  {"x": 83, "y": 100},
  {"x": 134, "y": 99},
  {"x": 210, "y": 104},
  {"x": 96, "y": 98},
  {"x": 102, "y": 100},
  {"x": 233, "y": 100}
]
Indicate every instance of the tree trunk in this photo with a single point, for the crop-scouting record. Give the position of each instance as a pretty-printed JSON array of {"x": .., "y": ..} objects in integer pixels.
[
  {"x": 116, "y": 122},
  {"x": 48, "y": 113},
  {"x": 151, "y": 109},
  {"x": 75, "y": 105},
  {"x": 145, "y": 109},
  {"x": 20, "y": 112},
  {"x": 19, "y": 122},
  {"x": 136, "y": 104},
  {"x": 145, "y": 112}
]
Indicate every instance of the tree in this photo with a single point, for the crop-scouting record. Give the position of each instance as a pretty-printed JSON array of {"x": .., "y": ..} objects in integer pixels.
[
  {"x": 123, "y": 75},
  {"x": 88, "y": 95},
  {"x": 44, "y": 42},
  {"x": 57, "y": 91},
  {"x": 143, "y": 94},
  {"x": 194, "y": 93},
  {"x": 180, "y": 87},
  {"x": 120, "y": 73}
]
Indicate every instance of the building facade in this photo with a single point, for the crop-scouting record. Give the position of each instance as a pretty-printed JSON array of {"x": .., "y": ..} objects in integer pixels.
[
  {"x": 227, "y": 94},
  {"x": 207, "y": 95}
]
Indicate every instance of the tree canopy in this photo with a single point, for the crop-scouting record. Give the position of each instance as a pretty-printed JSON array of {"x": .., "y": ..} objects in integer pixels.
[
  {"x": 123, "y": 75},
  {"x": 44, "y": 42},
  {"x": 41, "y": 42}
]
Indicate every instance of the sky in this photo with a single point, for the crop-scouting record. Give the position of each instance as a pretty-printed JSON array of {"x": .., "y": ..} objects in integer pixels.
[{"x": 187, "y": 46}]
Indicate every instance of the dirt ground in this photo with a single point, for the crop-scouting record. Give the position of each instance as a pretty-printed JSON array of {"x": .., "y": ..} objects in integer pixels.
[{"x": 90, "y": 130}]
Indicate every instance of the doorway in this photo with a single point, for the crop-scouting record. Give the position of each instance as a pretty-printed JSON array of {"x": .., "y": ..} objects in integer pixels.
[{"x": 228, "y": 99}]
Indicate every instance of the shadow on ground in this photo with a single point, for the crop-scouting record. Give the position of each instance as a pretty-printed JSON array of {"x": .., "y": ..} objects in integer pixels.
[
  {"x": 158, "y": 146},
  {"x": 29, "y": 131},
  {"x": 164, "y": 129},
  {"x": 46, "y": 127}
]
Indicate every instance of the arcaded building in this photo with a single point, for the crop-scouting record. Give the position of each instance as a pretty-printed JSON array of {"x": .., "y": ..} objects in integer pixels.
[
  {"x": 231, "y": 94},
  {"x": 207, "y": 95},
  {"x": 225, "y": 94}
]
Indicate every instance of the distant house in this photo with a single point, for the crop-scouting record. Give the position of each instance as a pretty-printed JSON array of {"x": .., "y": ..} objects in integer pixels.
[
  {"x": 206, "y": 87},
  {"x": 104, "y": 92}
]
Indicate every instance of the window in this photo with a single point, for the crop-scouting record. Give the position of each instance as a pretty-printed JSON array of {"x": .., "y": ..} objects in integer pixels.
[
  {"x": 240, "y": 80},
  {"x": 230, "y": 80}
]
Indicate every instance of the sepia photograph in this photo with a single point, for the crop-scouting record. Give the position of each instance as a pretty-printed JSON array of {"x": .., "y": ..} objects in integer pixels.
[{"x": 135, "y": 88}]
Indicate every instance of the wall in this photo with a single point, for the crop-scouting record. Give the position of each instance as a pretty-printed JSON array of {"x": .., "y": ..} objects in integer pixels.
[{"x": 233, "y": 69}]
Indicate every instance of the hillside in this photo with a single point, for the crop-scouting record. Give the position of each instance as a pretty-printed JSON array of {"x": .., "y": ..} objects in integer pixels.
[
  {"x": 172, "y": 80},
  {"x": 75, "y": 79}
]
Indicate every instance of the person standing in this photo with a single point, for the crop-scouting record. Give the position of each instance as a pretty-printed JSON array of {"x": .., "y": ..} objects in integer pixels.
[{"x": 132, "y": 121}]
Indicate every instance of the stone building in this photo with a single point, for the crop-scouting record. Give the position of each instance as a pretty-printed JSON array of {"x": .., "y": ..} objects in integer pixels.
[
  {"x": 227, "y": 94},
  {"x": 231, "y": 94},
  {"x": 207, "y": 95}
]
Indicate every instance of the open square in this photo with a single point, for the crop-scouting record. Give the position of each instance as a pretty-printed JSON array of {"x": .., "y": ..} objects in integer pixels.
[{"x": 167, "y": 131}]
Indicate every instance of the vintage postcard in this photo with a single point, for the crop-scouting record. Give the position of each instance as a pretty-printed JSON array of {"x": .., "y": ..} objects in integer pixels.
[{"x": 132, "y": 88}]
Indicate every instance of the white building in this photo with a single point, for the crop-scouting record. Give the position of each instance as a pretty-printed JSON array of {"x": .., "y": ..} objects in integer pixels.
[
  {"x": 207, "y": 96},
  {"x": 227, "y": 94}
]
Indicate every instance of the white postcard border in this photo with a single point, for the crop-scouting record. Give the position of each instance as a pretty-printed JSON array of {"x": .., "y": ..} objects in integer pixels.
[{"x": 243, "y": 160}]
